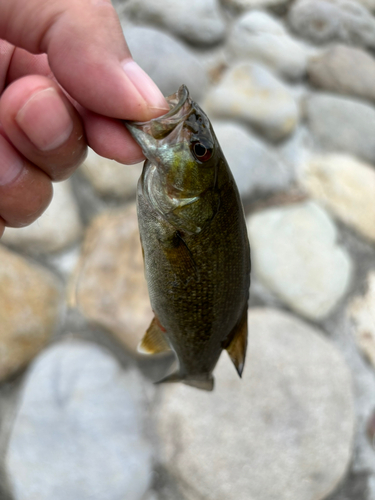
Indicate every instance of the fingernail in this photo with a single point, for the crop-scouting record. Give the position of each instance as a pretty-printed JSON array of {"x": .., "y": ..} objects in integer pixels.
[
  {"x": 145, "y": 86},
  {"x": 45, "y": 120},
  {"x": 11, "y": 163}
]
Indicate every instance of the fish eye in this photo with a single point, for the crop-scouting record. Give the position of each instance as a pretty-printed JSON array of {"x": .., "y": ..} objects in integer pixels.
[{"x": 200, "y": 151}]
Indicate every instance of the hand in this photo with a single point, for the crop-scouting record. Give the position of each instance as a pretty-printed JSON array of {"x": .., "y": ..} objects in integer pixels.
[{"x": 66, "y": 75}]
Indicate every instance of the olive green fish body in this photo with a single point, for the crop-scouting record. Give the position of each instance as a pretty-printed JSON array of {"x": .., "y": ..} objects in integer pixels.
[{"x": 196, "y": 252}]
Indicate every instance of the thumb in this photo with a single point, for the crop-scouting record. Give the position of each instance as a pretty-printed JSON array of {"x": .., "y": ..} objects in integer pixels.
[{"x": 87, "y": 53}]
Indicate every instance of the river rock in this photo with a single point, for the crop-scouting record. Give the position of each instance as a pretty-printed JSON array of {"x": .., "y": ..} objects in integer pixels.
[
  {"x": 110, "y": 178},
  {"x": 294, "y": 252},
  {"x": 341, "y": 124},
  {"x": 109, "y": 286},
  {"x": 78, "y": 432},
  {"x": 58, "y": 227},
  {"x": 179, "y": 64},
  {"x": 198, "y": 21},
  {"x": 255, "y": 167},
  {"x": 346, "y": 187},
  {"x": 251, "y": 93},
  {"x": 323, "y": 21},
  {"x": 333, "y": 71},
  {"x": 29, "y": 310},
  {"x": 255, "y": 4},
  {"x": 369, "y": 4},
  {"x": 288, "y": 419},
  {"x": 258, "y": 36},
  {"x": 362, "y": 312}
]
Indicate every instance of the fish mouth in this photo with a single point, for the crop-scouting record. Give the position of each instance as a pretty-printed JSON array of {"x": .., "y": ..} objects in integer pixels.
[{"x": 158, "y": 128}]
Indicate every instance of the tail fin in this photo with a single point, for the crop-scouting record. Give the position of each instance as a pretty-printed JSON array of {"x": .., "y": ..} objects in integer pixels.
[{"x": 204, "y": 381}]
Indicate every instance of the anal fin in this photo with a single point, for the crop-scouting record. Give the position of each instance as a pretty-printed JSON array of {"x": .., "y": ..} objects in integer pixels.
[
  {"x": 238, "y": 344},
  {"x": 154, "y": 341}
]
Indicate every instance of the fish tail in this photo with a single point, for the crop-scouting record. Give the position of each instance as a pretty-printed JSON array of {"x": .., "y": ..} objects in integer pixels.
[{"x": 204, "y": 382}]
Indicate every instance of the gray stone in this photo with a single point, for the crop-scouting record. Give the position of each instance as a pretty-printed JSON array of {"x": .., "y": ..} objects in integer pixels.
[
  {"x": 198, "y": 21},
  {"x": 323, "y": 21},
  {"x": 296, "y": 149},
  {"x": 110, "y": 178},
  {"x": 369, "y": 4},
  {"x": 345, "y": 186},
  {"x": 255, "y": 4},
  {"x": 58, "y": 227},
  {"x": 333, "y": 71},
  {"x": 29, "y": 311},
  {"x": 258, "y": 36},
  {"x": 78, "y": 432},
  {"x": 341, "y": 124},
  {"x": 168, "y": 61},
  {"x": 256, "y": 168},
  {"x": 294, "y": 253},
  {"x": 109, "y": 286},
  {"x": 362, "y": 312},
  {"x": 250, "y": 93},
  {"x": 284, "y": 431}
]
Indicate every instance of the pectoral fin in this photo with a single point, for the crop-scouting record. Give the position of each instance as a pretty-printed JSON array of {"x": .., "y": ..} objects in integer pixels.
[
  {"x": 154, "y": 341},
  {"x": 238, "y": 343}
]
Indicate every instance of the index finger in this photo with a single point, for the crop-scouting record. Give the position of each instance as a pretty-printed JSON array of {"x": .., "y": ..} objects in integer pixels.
[{"x": 87, "y": 53}]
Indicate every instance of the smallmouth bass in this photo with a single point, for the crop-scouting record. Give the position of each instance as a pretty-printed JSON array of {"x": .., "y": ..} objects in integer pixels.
[{"x": 195, "y": 245}]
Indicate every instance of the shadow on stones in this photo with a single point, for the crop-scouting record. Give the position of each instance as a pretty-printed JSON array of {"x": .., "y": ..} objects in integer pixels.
[{"x": 353, "y": 487}]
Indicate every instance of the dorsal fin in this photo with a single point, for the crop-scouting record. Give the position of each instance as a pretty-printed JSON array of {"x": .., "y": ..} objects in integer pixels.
[
  {"x": 154, "y": 340},
  {"x": 238, "y": 343}
]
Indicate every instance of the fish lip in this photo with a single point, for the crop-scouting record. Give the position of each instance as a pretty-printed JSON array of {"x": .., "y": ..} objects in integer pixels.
[
  {"x": 160, "y": 127},
  {"x": 182, "y": 95}
]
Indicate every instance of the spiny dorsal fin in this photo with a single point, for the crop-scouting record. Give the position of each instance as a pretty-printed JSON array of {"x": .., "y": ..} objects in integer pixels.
[
  {"x": 154, "y": 341},
  {"x": 237, "y": 346}
]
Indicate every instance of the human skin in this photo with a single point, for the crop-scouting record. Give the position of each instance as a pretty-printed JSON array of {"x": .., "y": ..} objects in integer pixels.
[{"x": 66, "y": 78}]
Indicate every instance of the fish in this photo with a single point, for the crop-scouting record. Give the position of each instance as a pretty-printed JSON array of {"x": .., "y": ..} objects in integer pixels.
[{"x": 194, "y": 242}]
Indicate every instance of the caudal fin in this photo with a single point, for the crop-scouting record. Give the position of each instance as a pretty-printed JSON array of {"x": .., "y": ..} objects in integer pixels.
[{"x": 204, "y": 382}]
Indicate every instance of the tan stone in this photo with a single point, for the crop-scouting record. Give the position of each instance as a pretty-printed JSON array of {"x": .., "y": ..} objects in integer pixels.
[
  {"x": 57, "y": 228},
  {"x": 109, "y": 286},
  {"x": 110, "y": 178},
  {"x": 29, "y": 310},
  {"x": 346, "y": 187},
  {"x": 362, "y": 311}
]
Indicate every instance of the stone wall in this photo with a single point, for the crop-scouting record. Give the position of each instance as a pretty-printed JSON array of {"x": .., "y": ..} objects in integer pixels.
[{"x": 290, "y": 89}]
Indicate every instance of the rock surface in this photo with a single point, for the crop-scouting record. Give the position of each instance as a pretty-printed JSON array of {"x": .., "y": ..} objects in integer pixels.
[
  {"x": 288, "y": 419},
  {"x": 109, "y": 286},
  {"x": 340, "y": 124},
  {"x": 249, "y": 92},
  {"x": 255, "y": 4},
  {"x": 110, "y": 178},
  {"x": 59, "y": 226},
  {"x": 78, "y": 429},
  {"x": 362, "y": 311},
  {"x": 346, "y": 187},
  {"x": 198, "y": 21},
  {"x": 258, "y": 36},
  {"x": 294, "y": 253},
  {"x": 323, "y": 21},
  {"x": 255, "y": 167},
  {"x": 333, "y": 71},
  {"x": 29, "y": 311},
  {"x": 180, "y": 66}
]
